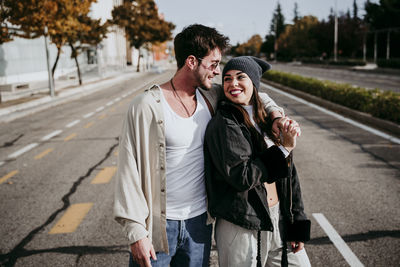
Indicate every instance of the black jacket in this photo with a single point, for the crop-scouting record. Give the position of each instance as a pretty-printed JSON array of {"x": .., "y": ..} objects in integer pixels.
[{"x": 235, "y": 169}]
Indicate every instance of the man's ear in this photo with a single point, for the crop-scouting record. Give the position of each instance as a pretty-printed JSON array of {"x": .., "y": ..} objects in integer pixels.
[{"x": 191, "y": 62}]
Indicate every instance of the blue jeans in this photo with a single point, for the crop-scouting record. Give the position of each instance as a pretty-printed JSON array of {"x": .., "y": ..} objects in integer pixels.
[{"x": 189, "y": 243}]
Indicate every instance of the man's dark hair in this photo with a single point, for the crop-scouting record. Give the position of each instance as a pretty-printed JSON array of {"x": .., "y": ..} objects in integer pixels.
[{"x": 197, "y": 40}]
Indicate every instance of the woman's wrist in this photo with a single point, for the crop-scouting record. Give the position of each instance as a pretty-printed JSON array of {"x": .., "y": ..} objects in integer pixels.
[
  {"x": 288, "y": 148},
  {"x": 274, "y": 119}
]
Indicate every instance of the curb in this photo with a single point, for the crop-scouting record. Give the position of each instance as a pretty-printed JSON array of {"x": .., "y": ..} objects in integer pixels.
[
  {"x": 17, "y": 111},
  {"x": 384, "y": 125}
]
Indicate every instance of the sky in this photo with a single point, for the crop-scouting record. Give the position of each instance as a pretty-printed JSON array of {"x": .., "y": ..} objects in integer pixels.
[{"x": 241, "y": 19}]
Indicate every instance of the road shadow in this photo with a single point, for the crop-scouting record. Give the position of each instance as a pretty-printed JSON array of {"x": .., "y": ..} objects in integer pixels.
[{"x": 357, "y": 237}]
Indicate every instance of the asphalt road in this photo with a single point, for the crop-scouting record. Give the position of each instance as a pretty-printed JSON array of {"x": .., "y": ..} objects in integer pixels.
[
  {"x": 366, "y": 79},
  {"x": 56, "y": 207},
  {"x": 351, "y": 177}
]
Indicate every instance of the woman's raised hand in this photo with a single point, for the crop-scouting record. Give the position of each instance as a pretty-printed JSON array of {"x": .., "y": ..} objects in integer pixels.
[{"x": 288, "y": 132}]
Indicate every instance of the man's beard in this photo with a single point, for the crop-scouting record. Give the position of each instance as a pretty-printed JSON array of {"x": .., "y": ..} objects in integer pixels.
[{"x": 200, "y": 81}]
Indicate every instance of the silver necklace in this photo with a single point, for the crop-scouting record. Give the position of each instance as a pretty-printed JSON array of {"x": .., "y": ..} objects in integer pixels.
[{"x": 180, "y": 100}]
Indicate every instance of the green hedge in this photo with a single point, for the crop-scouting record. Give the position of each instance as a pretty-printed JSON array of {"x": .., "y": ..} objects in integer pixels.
[
  {"x": 378, "y": 103},
  {"x": 341, "y": 62},
  {"x": 389, "y": 63}
]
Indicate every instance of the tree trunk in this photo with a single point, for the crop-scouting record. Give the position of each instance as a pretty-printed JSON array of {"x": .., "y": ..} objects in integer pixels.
[
  {"x": 75, "y": 56},
  {"x": 138, "y": 63},
  {"x": 53, "y": 69}
]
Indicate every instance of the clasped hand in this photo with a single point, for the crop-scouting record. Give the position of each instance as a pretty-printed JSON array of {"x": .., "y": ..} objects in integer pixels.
[{"x": 286, "y": 131}]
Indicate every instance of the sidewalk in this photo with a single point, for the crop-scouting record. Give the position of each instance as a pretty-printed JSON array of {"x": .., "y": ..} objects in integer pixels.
[{"x": 38, "y": 96}]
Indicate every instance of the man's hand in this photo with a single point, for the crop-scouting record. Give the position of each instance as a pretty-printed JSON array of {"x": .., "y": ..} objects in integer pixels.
[
  {"x": 288, "y": 137},
  {"x": 296, "y": 246},
  {"x": 285, "y": 124},
  {"x": 142, "y": 250}
]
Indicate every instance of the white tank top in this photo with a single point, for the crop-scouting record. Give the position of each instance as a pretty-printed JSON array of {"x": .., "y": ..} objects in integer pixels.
[{"x": 184, "y": 138}]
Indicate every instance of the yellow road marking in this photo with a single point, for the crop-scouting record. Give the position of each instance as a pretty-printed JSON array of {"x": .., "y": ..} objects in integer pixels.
[
  {"x": 69, "y": 137},
  {"x": 44, "y": 153},
  {"x": 89, "y": 125},
  {"x": 71, "y": 218},
  {"x": 8, "y": 176},
  {"x": 116, "y": 153},
  {"x": 104, "y": 176},
  {"x": 102, "y": 116}
]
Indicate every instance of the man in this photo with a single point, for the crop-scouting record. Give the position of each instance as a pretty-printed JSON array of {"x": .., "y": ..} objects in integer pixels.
[{"x": 160, "y": 196}]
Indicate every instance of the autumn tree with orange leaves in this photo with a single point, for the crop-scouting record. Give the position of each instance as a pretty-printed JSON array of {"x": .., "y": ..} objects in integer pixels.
[
  {"x": 142, "y": 23},
  {"x": 67, "y": 22}
]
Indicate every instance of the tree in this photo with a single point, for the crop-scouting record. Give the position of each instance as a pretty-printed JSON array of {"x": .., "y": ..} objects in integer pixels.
[
  {"x": 232, "y": 50},
  {"x": 296, "y": 12},
  {"x": 73, "y": 28},
  {"x": 142, "y": 23},
  {"x": 91, "y": 32},
  {"x": 383, "y": 20},
  {"x": 350, "y": 36},
  {"x": 299, "y": 40},
  {"x": 355, "y": 10},
  {"x": 277, "y": 26},
  {"x": 383, "y": 15},
  {"x": 66, "y": 20},
  {"x": 267, "y": 46},
  {"x": 5, "y": 35},
  {"x": 251, "y": 47},
  {"x": 31, "y": 17},
  {"x": 278, "y": 22}
]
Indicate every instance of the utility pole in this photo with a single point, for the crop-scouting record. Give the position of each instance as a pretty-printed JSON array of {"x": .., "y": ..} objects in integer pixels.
[
  {"x": 388, "y": 45},
  {"x": 376, "y": 47},
  {"x": 365, "y": 47},
  {"x": 276, "y": 37},
  {"x": 51, "y": 82},
  {"x": 336, "y": 34}
]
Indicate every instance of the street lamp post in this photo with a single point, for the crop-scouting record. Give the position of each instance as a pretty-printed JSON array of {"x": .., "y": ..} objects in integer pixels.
[
  {"x": 276, "y": 37},
  {"x": 388, "y": 45},
  {"x": 375, "y": 47},
  {"x": 336, "y": 34},
  {"x": 365, "y": 47}
]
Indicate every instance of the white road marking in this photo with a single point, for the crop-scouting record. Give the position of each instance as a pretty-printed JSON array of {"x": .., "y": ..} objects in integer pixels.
[
  {"x": 51, "y": 135},
  {"x": 69, "y": 125},
  {"x": 340, "y": 117},
  {"x": 339, "y": 243},
  {"x": 88, "y": 115},
  {"x": 22, "y": 150}
]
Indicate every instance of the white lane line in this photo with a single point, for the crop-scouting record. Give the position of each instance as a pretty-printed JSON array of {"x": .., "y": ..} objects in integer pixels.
[
  {"x": 124, "y": 95},
  {"x": 2, "y": 163},
  {"x": 99, "y": 109},
  {"x": 117, "y": 99},
  {"x": 51, "y": 135},
  {"x": 339, "y": 243},
  {"x": 22, "y": 150},
  {"x": 340, "y": 117},
  {"x": 69, "y": 125},
  {"x": 110, "y": 103},
  {"x": 88, "y": 115}
]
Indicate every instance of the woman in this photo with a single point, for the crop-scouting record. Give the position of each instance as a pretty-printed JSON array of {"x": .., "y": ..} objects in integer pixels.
[{"x": 252, "y": 185}]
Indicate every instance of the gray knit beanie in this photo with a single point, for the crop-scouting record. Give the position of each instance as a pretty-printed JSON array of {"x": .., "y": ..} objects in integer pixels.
[{"x": 252, "y": 66}]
